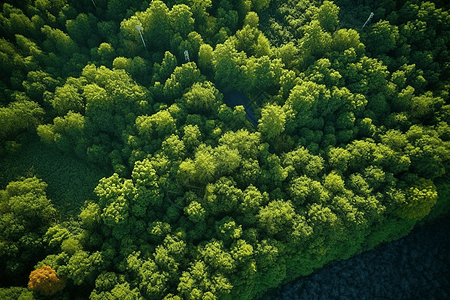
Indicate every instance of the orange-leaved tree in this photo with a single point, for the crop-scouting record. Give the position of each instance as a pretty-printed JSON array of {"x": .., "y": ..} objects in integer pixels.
[{"x": 45, "y": 281}]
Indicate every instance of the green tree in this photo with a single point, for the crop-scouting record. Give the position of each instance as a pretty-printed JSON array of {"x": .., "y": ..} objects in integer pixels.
[
  {"x": 59, "y": 41},
  {"x": 303, "y": 100},
  {"x": 68, "y": 98},
  {"x": 106, "y": 54},
  {"x": 14, "y": 292},
  {"x": 344, "y": 39},
  {"x": 260, "y": 5},
  {"x": 418, "y": 201},
  {"x": 202, "y": 98},
  {"x": 121, "y": 63},
  {"x": 227, "y": 230},
  {"x": 227, "y": 160},
  {"x": 277, "y": 217},
  {"x": 272, "y": 171},
  {"x": 152, "y": 280},
  {"x": 14, "y": 21},
  {"x": 159, "y": 124},
  {"x": 181, "y": 19},
  {"x": 315, "y": 42},
  {"x": 222, "y": 196},
  {"x": 192, "y": 136},
  {"x": 174, "y": 147},
  {"x": 130, "y": 37},
  {"x": 19, "y": 116},
  {"x": 157, "y": 20},
  {"x": 200, "y": 282},
  {"x": 227, "y": 19},
  {"x": 200, "y": 170},
  {"x": 272, "y": 122},
  {"x": 38, "y": 84},
  {"x": 338, "y": 159},
  {"x": 114, "y": 202},
  {"x": 82, "y": 267},
  {"x": 195, "y": 212},
  {"x": 81, "y": 29},
  {"x": 251, "y": 19},
  {"x": 25, "y": 215},
  {"x": 427, "y": 153},
  {"x": 249, "y": 171},
  {"x": 227, "y": 61},
  {"x": 161, "y": 72},
  {"x": 117, "y": 10},
  {"x": 199, "y": 208},
  {"x": 217, "y": 257},
  {"x": 67, "y": 133},
  {"x": 424, "y": 107},
  {"x": 326, "y": 227},
  {"x": 192, "y": 44},
  {"x": 328, "y": 16},
  {"x": 108, "y": 31},
  {"x": 301, "y": 162},
  {"x": 252, "y": 41},
  {"x": 182, "y": 78},
  {"x": 112, "y": 286},
  {"x": 148, "y": 184},
  {"x": 112, "y": 100},
  {"x": 245, "y": 142},
  {"x": 321, "y": 73},
  {"x": 252, "y": 200},
  {"x": 262, "y": 74},
  {"x": 205, "y": 59},
  {"x": 288, "y": 54},
  {"x": 303, "y": 189},
  {"x": 382, "y": 38},
  {"x": 209, "y": 164},
  {"x": 269, "y": 253},
  {"x": 90, "y": 215}
]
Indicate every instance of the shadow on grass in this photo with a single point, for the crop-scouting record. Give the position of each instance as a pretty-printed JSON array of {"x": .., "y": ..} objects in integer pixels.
[{"x": 70, "y": 180}]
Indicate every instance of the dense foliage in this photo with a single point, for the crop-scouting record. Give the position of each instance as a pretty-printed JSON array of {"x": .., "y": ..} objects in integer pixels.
[
  {"x": 25, "y": 216},
  {"x": 45, "y": 281},
  {"x": 351, "y": 148}
]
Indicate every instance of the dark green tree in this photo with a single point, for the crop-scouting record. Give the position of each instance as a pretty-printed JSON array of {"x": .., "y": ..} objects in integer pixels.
[{"x": 25, "y": 215}]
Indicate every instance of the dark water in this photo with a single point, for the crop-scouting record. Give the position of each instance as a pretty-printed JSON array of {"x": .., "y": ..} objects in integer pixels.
[
  {"x": 233, "y": 99},
  {"x": 414, "y": 267}
]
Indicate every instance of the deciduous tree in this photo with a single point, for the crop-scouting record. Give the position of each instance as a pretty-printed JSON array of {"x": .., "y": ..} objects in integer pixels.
[
  {"x": 45, "y": 281},
  {"x": 272, "y": 122}
]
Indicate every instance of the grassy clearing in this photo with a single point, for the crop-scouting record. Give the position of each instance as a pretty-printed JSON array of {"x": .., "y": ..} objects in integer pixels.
[{"x": 70, "y": 181}]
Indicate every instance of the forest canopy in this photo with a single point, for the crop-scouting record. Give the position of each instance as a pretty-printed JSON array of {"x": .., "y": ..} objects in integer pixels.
[{"x": 347, "y": 146}]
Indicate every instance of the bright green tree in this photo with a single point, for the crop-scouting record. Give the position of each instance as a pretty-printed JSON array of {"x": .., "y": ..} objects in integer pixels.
[
  {"x": 272, "y": 122},
  {"x": 222, "y": 196},
  {"x": 202, "y": 98}
]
